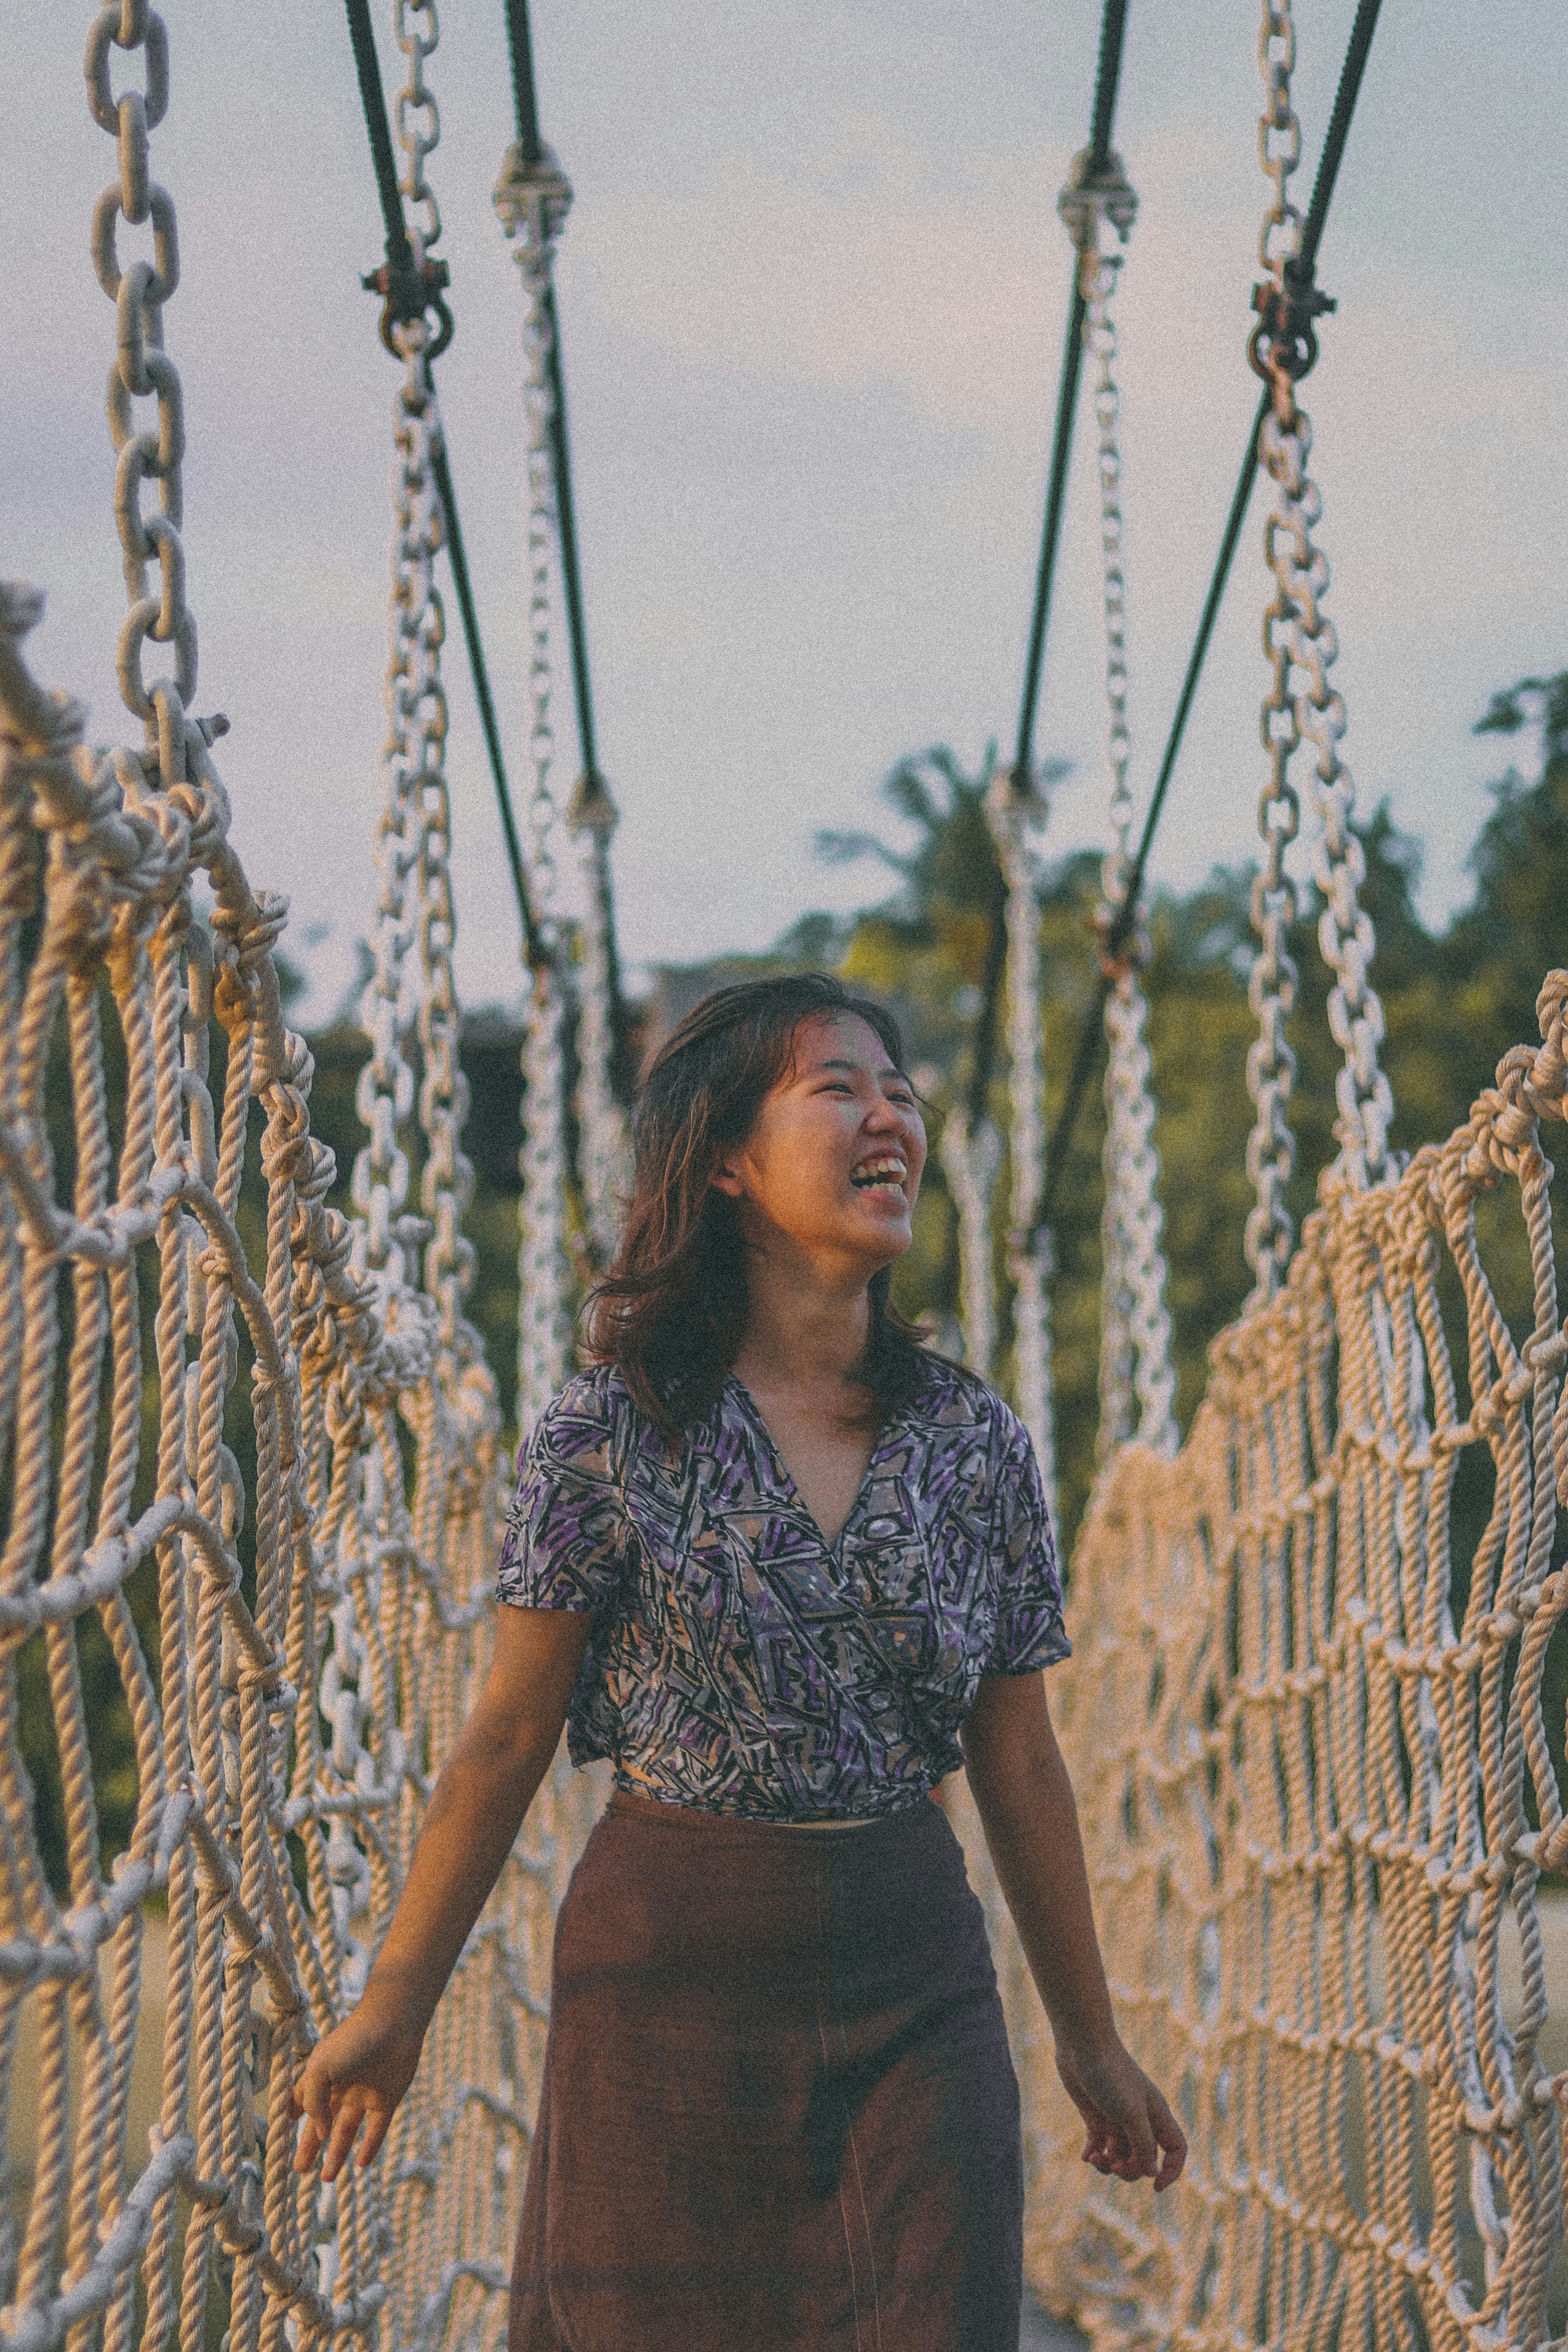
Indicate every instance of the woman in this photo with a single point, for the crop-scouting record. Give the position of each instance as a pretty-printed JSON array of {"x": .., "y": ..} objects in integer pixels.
[{"x": 775, "y": 1560}]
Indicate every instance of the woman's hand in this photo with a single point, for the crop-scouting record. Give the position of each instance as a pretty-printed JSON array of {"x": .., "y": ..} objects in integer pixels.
[
  {"x": 1025, "y": 1798},
  {"x": 362, "y": 2069},
  {"x": 1132, "y": 2133},
  {"x": 356, "y": 2074}
]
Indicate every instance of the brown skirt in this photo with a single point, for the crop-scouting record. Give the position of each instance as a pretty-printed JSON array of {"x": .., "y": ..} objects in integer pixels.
[{"x": 779, "y": 2107}]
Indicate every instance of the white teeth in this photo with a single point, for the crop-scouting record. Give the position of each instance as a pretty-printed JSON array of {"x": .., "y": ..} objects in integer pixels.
[{"x": 890, "y": 1169}]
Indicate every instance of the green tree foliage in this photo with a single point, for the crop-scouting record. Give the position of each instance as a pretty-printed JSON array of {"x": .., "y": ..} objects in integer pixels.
[{"x": 1453, "y": 1004}]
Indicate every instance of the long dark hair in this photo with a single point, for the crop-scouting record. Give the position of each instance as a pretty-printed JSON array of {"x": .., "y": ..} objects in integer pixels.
[{"x": 671, "y": 1312}]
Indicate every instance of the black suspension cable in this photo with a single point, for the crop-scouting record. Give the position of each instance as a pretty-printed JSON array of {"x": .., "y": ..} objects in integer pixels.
[
  {"x": 525, "y": 92},
  {"x": 373, "y": 99},
  {"x": 531, "y": 139},
  {"x": 1303, "y": 271},
  {"x": 409, "y": 293},
  {"x": 1107, "y": 81},
  {"x": 1051, "y": 532},
  {"x": 533, "y": 940},
  {"x": 566, "y": 517}
]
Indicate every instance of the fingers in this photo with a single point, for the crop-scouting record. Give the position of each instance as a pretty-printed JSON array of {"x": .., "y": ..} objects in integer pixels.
[
  {"x": 313, "y": 2100},
  {"x": 332, "y": 2119},
  {"x": 1140, "y": 2131},
  {"x": 1135, "y": 2137},
  {"x": 376, "y": 2124},
  {"x": 1172, "y": 2141},
  {"x": 346, "y": 2122}
]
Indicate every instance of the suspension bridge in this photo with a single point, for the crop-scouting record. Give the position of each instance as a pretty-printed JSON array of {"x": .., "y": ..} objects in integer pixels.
[{"x": 254, "y": 1450}]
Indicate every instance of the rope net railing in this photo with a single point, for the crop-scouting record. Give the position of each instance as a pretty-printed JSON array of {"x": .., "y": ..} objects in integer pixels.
[
  {"x": 177, "y": 1292},
  {"x": 1304, "y": 1722}
]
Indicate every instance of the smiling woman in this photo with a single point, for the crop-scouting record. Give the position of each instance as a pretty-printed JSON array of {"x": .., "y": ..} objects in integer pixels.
[{"x": 787, "y": 1570}]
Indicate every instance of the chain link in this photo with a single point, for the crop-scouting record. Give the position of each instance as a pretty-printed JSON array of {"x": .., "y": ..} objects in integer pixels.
[
  {"x": 416, "y": 28},
  {"x": 605, "y": 1149},
  {"x": 1015, "y": 819},
  {"x": 1271, "y": 988},
  {"x": 544, "y": 1304},
  {"x": 142, "y": 370},
  {"x": 414, "y": 751},
  {"x": 1136, "y": 1370},
  {"x": 532, "y": 198},
  {"x": 1302, "y": 646},
  {"x": 1364, "y": 1098}
]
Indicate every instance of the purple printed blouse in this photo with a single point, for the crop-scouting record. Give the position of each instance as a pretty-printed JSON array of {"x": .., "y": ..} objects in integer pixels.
[{"x": 738, "y": 1662}]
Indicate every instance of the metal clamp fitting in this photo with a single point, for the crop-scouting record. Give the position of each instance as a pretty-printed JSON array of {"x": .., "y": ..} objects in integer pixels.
[
  {"x": 409, "y": 293},
  {"x": 1284, "y": 342}
]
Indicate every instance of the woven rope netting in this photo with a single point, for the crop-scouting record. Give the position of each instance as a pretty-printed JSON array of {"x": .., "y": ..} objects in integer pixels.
[
  {"x": 172, "y": 1273},
  {"x": 1306, "y": 1732}
]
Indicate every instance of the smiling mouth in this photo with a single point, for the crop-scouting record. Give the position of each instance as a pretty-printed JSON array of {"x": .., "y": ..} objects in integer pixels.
[{"x": 887, "y": 1174}]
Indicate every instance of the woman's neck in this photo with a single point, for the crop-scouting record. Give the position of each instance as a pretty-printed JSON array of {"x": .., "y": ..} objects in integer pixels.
[{"x": 802, "y": 1332}]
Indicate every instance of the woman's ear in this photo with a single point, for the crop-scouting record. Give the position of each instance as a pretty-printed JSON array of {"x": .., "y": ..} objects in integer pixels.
[{"x": 725, "y": 1177}]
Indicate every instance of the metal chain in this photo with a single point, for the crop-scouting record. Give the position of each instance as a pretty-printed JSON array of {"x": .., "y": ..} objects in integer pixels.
[
  {"x": 142, "y": 370},
  {"x": 1138, "y": 1383},
  {"x": 532, "y": 198},
  {"x": 416, "y": 712},
  {"x": 1271, "y": 989},
  {"x": 604, "y": 1154},
  {"x": 416, "y": 119},
  {"x": 1015, "y": 818},
  {"x": 544, "y": 1301},
  {"x": 1302, "y": 646},
  {"x": 1339, "y": 864},
  {"x": 447, "y": 1185}
]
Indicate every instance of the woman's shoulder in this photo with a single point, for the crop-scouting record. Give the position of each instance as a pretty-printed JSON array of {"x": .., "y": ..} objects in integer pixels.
[
  {"x": 595, "y": 1413},
  {"x": 948, "y": 1396}
]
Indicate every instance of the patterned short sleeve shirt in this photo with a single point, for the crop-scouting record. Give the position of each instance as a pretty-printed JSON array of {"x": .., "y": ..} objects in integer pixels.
[{"x": 738, "y": 1661}]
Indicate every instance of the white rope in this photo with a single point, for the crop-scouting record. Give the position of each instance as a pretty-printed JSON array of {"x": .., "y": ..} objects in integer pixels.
[{"x": 1306, "y": 1776}]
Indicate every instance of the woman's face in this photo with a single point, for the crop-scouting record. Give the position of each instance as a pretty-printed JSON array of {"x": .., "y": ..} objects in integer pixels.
[{"x": 834, "y": 1159}]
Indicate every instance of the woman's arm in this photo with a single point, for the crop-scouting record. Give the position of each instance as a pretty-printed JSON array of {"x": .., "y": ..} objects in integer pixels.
[
  {"x": 1031, "y": 1821},
  {"x": 358, "y": 2072}
]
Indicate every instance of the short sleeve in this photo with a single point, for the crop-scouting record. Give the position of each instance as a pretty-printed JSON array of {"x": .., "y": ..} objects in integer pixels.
[
  {"x": 1030, "y": 1629},
  {"x": 564, "y": 1541}
]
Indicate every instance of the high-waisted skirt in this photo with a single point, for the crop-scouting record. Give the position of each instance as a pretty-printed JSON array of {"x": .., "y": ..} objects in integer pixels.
[{"x": 779, "y": 2108}]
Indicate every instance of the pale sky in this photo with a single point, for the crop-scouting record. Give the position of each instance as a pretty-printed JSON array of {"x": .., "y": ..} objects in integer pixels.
[{"x": 812, "y": 293}]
